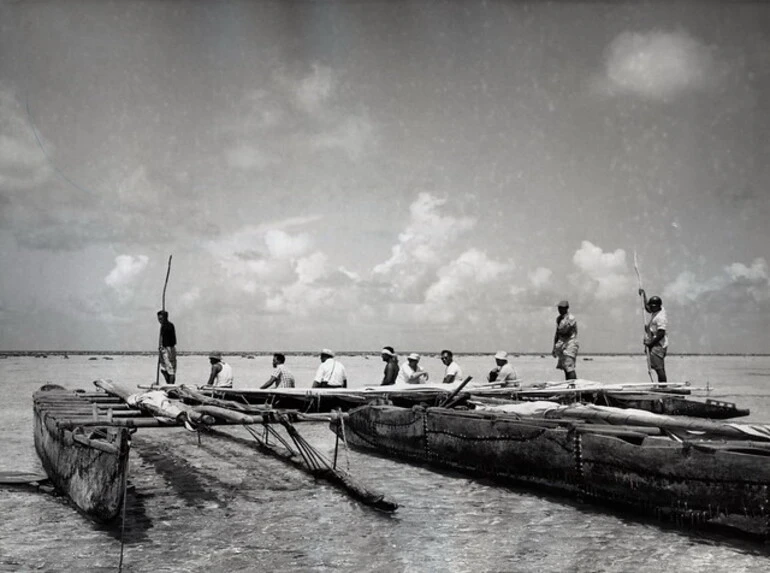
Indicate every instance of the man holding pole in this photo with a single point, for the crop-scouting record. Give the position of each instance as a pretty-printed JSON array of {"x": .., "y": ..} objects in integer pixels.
[
  {"x": 655, "y": 337},
  {"x": 167, "y": 348}
]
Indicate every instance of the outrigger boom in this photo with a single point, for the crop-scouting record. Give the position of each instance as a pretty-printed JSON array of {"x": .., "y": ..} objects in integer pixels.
[{"x": 91, "y": 430}]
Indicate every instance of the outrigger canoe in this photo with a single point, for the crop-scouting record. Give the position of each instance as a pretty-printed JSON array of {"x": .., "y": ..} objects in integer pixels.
[
  {"x": 83, "y": 440},
  {"x": 699, "y": 472},
  {"x": 85, "y": 462}
]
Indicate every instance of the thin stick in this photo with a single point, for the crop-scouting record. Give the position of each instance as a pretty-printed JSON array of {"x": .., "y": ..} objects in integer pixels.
[
  {"x": 644, "y": 321},
  {"x": 165, "y": 284},
  {"x": 163, "y": 307}
]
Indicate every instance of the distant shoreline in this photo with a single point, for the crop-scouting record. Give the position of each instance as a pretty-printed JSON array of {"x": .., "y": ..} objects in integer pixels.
[{"x": 255, "y": 353}]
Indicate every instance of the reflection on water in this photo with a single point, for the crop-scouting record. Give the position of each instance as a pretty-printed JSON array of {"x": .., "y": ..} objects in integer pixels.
[{"x": 223, "y": 506}]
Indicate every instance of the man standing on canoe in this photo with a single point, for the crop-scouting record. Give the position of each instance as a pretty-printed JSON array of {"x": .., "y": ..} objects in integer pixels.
[
  {"x": 565, "y": 343},
  {"x": 453, "y": 372},
  {"x": 655, "y": 337},
  {"x": 331, "y": 373},
  {"x": 167, "y": 348},
  {"x": 390, "y": 373},
  {"x": 221, "y": 375},
  {"x": 281, "y": 377}
]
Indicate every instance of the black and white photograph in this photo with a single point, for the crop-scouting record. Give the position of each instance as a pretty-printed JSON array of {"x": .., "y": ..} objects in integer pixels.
[{"x": 385, "y": 286}]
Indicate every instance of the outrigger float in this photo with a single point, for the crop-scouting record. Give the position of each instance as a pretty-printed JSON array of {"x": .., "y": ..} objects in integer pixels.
[
  {"x": 670, "y": 398},
  {"x": 83, "y": 439},
  {"x": 690, "y": 471}
]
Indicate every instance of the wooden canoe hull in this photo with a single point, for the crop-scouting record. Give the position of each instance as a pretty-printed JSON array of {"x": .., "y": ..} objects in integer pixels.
[
  {"x": 724, "y": 486},
  {"x": 88, "y": 465}
]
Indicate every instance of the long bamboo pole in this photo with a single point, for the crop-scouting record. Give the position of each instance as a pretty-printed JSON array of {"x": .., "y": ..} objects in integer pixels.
[
  {"x": 163, "y": 307},
  {"x": 644, "y": 321}
]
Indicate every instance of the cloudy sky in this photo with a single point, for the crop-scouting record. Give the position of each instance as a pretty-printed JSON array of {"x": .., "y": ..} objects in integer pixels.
[{"x": 358, "y": 173}]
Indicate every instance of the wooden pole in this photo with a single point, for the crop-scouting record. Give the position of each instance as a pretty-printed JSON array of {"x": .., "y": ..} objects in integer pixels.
[
  {"x": 644, "y": 321},
  {"x": 163, "y": 307},
  {"x": 446, "y": 402}
]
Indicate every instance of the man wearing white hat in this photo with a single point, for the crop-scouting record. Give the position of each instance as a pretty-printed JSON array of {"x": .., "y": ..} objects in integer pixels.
[
  {"x": 331, "y": 373},
  {"x": 565, "y": 343},
  {"x": 503, "y": 372},
  {"x": 411, "y": 372}
]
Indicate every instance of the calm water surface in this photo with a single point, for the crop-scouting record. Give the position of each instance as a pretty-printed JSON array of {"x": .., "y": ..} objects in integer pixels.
[{"x": 222, "y": 506}]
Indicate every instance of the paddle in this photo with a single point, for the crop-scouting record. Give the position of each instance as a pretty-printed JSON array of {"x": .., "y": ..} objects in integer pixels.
[
  {"x": 163, "y": 307},
  {"x": 644, "y": 322}
]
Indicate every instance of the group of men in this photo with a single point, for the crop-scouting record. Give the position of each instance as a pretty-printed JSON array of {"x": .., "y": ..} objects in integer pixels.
[
  {"x": 565, "y": 339},
  {"x": 410, "y": 372},
  {"x": 331, "y": 372}
]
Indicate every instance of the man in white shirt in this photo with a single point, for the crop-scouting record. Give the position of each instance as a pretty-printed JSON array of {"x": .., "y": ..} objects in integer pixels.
[
  {"x": 411, "y": 372},
  {"x": 453, "y": 372},
  {"x": 656, "y": 339},
  {"x": 503, "y": 372},
  {"x": 331, "y": 373}
]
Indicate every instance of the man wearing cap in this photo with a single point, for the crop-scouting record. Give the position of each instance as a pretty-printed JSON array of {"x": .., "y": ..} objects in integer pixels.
[
  {"x": 503, "y": 372},
  {"x": 331, "y": 373},
  {"x": 167, "y": 347},
  {"x": 390, "y": 359},
  {"x": 411, "y": 372},
  {"x": 655, "y": 337},
  {"x": 221, "y": 375},
  {"x": 281, "y": 377},
  {"x": 565, "y": 343},
  {"x": 453, "y": 372}
]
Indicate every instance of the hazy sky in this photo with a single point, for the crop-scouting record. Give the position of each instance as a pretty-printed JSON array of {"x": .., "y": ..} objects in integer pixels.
[{"x": 354, "y": 174}]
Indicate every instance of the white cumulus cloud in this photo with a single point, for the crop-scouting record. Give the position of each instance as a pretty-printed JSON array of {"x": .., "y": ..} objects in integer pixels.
[
  {"x": 127, "y": 269},
  {"x": 422, "y": 247},
  {"x": 740, "y": 280},
  {"x": 658, "y": 65},
  {"x": 605, "y": 275}
]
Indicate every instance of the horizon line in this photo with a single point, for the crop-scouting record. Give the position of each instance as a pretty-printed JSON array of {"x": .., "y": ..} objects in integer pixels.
[{"x": 341, "y": 352}]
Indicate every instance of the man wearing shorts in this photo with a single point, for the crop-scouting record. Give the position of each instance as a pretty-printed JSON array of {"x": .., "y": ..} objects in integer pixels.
[
  {"x": 565, "y": 343},
  {"x": 655, "y": 337},
  {"x": 167, "y": 347}
]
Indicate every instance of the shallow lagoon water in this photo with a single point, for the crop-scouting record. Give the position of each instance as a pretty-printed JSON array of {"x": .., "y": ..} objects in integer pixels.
[{"x": 222, "y": 506}]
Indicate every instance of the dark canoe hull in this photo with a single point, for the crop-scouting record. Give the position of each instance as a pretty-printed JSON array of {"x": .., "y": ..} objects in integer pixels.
[
  {"x": 88, "y": 465},
  {"x": 723, "y": 485},
  {"x": 328, "y": 400}
]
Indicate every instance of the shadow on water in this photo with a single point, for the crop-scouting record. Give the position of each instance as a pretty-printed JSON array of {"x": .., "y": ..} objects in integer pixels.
[
  {"x": 137, "y": 522},
  {"x": 184, "y": 480}
]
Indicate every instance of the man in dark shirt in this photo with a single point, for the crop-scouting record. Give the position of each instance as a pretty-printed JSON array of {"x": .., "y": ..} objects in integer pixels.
[
  {"x": 391, "y": 366},
  {"x": 167, "y": 347}
]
